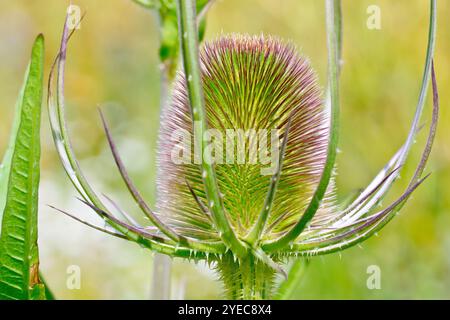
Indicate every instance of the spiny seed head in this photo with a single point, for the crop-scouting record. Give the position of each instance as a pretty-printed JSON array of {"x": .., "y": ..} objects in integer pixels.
[{"x": 249, "y": 82}]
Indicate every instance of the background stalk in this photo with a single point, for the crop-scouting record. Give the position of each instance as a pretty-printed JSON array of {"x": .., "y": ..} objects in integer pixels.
[
  {"x": 162, "y": 264},
  {"x": 169, "y": 56}
]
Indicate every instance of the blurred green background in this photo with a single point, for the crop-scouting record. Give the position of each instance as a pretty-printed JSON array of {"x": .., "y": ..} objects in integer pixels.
[{"x": 113, "y": 63}]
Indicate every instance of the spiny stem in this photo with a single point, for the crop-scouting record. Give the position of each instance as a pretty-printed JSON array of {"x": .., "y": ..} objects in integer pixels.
[
  {"x": 189, "y": 45},
  {"x": 246, "y": 279}
]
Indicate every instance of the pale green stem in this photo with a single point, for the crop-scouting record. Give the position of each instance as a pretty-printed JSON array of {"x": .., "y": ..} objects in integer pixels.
[
  {"x": 161, "y": 281},
  {"x": 162, "y": 264},
  {"x": 190, "y": 54},
  {"x": 296, "y": 275}
]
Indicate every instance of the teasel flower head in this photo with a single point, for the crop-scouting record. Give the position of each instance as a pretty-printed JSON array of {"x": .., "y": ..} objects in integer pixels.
[
  {"x": 253, "y": 86},
  {"x": 229, "y": 211}
]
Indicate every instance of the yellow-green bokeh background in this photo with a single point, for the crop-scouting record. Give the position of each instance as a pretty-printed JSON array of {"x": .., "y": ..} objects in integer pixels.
[{"x": 113, "y": 63}]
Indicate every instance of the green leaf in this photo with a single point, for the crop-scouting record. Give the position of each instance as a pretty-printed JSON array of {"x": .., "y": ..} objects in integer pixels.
[
  {"x": 19, "y": 259},
  {"x": 5, "y": 165}
]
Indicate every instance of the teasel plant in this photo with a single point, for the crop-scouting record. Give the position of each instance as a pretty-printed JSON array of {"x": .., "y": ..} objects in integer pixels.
[{"x": 247, "y": 225}]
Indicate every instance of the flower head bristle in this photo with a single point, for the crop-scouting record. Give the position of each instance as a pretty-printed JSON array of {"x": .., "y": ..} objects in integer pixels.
[{"x": 250, "y": 83}]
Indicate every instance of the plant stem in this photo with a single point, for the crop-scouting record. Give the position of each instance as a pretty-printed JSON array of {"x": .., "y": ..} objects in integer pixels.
[
  {"x": 296, "y": 275},
  {"x": 162, "y": 264},
  {"x": 189, "y": 47},
  {"x": 246, "y": 279},
  {"x": 161, "y": 281}
]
